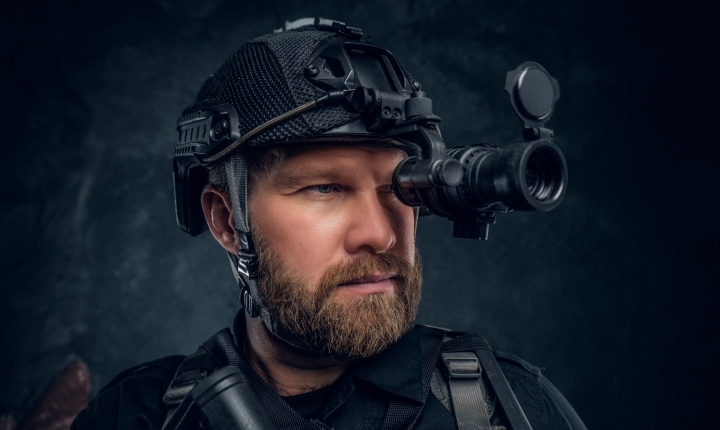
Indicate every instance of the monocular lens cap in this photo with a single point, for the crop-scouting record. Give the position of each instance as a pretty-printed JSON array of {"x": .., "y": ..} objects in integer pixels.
[{"x": 535, "y": 94}]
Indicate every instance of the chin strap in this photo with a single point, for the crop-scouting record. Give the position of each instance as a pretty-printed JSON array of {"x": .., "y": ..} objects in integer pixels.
[
  {"x": 244, "y": 264},
  {"x": 238, "y": 266}
]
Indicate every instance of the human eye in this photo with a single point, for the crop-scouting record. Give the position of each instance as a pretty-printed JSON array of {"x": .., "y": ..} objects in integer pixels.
[
  {"x": 386, "y": 189},
  {"x": 323, "y": 189}
]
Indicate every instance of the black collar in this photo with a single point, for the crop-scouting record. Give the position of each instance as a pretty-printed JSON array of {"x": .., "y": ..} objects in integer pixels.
[{"x": 397, "y": 370}]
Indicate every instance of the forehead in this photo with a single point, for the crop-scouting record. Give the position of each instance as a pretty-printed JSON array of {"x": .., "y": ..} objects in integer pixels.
[
  {"x": 337, "y": 158},
  {"x": 343, "y": 149}
]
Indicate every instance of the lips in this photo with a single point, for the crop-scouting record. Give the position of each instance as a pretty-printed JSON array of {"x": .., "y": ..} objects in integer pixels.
[
  {"x": 374, "y": 284},
  {"x": 368, "y": 279}
]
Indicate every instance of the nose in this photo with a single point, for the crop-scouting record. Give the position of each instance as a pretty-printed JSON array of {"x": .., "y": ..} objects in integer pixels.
[{"x": 371, "y": 226}]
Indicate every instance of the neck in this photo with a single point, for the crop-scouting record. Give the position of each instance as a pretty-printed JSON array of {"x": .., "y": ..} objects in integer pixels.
[{"x": 289, "y": 371}]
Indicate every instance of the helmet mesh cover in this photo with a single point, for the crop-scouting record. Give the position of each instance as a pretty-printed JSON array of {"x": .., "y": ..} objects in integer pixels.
[{"x": 264, "y": 79}]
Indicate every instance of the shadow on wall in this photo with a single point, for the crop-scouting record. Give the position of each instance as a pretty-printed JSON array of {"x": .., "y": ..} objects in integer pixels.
[{"x": 58, "y": 405}]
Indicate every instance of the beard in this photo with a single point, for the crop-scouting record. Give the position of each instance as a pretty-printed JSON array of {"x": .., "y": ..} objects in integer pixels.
[{"x": 346, "y": 329}]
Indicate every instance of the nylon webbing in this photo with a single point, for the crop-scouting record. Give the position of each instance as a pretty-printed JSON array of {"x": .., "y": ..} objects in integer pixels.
[
  {"x": 236, "y": 172},
  {"x": 400, "y": 414},
  {"x": 508, "y": 401},
  {"x": 223, "y": 351},
  {"x": 283, "y": 415},
  {"x": 193, "y": 369},
  {"x": 496, "y": 378},
  {"x": 469, "y": 403},
  {"x": 242, "y": 264}
]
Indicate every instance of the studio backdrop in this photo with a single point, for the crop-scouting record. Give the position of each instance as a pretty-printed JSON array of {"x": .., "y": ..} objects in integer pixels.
[{"x": 606, "y": 293}]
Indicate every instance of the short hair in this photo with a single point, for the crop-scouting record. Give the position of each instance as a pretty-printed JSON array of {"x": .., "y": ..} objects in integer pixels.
[{"x": 259, "y": 162}]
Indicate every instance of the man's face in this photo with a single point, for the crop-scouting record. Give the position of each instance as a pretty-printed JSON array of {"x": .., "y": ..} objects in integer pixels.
[{"x": 337, "y": 251}]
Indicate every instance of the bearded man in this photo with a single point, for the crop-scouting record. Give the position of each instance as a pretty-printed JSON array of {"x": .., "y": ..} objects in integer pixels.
[{"x": 288, "y": 156}]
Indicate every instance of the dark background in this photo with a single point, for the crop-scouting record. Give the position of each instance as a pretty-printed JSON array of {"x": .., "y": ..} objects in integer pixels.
[{"x": 611, "y": 293}]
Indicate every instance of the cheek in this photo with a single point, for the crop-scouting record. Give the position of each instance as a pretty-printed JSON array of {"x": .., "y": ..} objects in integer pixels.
[
  {"x": 307, "y": 240},
  {"x": 405, "y": 233},
  {"x": 311, "y": 238}
]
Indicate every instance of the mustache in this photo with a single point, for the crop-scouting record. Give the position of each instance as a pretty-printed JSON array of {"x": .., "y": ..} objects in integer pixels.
[{"x": 369, "y": 268}]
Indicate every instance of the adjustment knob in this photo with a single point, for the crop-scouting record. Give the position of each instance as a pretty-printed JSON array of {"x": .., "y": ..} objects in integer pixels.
[
  {"x": 448, "y": 172},
  {"x": 364, "y": 99}
]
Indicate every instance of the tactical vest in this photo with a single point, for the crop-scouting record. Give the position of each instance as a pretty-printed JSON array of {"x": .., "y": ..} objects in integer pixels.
[{"x": 460, "y": 369}]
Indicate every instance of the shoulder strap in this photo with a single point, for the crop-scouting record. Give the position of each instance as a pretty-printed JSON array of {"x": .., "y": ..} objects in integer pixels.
[
  {"x": 193, "y": 369},
  {"x": 218, "y": 352},
  {"x": 471, "y": 353},
  {"x": 162, "y": 367},
  {"x": 464, "y": 379},
  {"x": 510, "y": 404}
]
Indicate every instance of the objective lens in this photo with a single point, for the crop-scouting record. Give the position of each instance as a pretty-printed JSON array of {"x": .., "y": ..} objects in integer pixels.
[
  {"x": 542, "y": 173},
  {"x": 531, "y": 178}
]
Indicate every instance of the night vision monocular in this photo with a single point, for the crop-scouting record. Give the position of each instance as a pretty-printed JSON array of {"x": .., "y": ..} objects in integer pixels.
[{"x": 468, "y": 185}]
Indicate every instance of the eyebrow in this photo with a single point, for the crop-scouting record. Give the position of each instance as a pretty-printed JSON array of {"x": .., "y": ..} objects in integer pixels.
[
  {"x": 302, "y": 176},
  {"x": 297, "y": 177}
]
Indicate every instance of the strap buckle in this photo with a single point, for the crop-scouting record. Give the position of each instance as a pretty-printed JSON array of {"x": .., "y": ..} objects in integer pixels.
[
  {"x": 461, "y": 365},
  {"x": 248, "y": 303}
]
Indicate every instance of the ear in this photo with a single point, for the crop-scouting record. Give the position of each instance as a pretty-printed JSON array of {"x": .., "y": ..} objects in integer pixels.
[{"x": 218, "y": 214}]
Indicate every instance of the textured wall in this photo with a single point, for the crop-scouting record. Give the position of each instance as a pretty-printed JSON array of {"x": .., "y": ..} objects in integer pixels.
[{"x": 609, "y": 293}]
